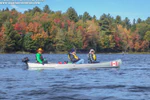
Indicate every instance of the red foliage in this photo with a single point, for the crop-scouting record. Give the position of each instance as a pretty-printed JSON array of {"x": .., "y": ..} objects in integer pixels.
[
  {"x": 117, "y": 40},
  {"x": 57, "y": 20},
  {"x": 80, "y": 28},
  {"x": 20, "y": 27},
  {"x": 62, "y": 25},
  {"x": 69, "y": 22},
  {"x": 44, "y": 18}
]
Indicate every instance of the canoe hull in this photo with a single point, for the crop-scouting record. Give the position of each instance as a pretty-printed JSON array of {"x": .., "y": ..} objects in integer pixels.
[{"x": 111, "y": 64}]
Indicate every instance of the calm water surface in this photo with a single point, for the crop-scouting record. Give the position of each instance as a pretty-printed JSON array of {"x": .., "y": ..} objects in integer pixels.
[{"x": 130, "y": 82}]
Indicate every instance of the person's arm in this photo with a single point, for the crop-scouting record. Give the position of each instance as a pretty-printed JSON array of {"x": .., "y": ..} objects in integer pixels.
[{"x": 38, "y": 57}]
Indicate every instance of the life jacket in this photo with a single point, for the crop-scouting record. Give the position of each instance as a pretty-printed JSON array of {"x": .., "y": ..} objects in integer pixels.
[
  {"x": 94, "y": 57},
  {"x": 74, "y": 55}
]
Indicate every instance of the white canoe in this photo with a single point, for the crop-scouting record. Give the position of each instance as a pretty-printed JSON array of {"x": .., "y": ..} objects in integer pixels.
[{"x": 111, "y": 64}]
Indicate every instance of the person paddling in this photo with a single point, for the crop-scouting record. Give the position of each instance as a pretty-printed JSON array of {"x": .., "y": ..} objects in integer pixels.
[
  {"x": 39, "y": 57},
  {"x": 92, "y": 57},
  {"x": 74, "y": 58}
]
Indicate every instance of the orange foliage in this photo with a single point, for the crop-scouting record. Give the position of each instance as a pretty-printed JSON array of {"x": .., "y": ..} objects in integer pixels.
[
  {"x": 92, "y": 27},
  {"x": 71, "y": 27},
  {"x": 33, "y": 27},
  {"x": 90, "y": 34},
  {"x": 125, "y": 36},
  {"x": 3, "y": 29},
  {"x": 39, "y": 35},
  {"x": 44, "y": 18},
  {"x": 22, "y": 18},
  {"x": 144, "y": 45},
  {"x": 11, "y": 20},
  {"x": 137, "y": 46}
]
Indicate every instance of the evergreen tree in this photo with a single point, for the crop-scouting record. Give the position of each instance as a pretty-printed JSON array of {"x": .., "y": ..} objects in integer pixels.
[
  {"x": 139, "y": 20},
  {"x": 13, "y": 9},
  {"x": 148, "y": 20},
  {"x": 46, "y": 9},
  {"x": 86, "y": 16},
  {"x": 134, "y": 21},
  {"x": 28, "y": 44},
  {"x": 36, "y": 9},
  {"x": 126, "y": 23},
  {"x": 12, "y": 38},
  {"x": 80, "y": 16},
  {"x": 133, "y": 27},
  {"x": 94, "y": 17},
  {"x": 105, "y": 24},
  {"x": 72, "y": 14},
  {"x": 147, "y": 38},
  {"x": 7, "y": 9},
  {"x": 118, "y": 19}
]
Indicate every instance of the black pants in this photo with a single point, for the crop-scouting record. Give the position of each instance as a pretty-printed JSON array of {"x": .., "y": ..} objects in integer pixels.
[{"x": 93, "y": 62}]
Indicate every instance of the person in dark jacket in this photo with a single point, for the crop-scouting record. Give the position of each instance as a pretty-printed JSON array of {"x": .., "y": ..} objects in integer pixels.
[
  {"x": 74, "y": 58},
  {"x": 92, "y": 57}
]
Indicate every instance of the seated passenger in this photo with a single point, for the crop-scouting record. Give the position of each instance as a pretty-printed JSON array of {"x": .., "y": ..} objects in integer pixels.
[
  {"x": 92, "y": 57},
  {"x": 74, "y": 58},
  {"x": 39, "y": 57}
]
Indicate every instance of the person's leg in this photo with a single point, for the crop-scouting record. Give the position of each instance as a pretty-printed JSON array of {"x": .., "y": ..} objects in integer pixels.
[
  {"x": 45, "y": 61},
  {"x": 81, "y": 61},
  {"x": 95, "y": 62}
]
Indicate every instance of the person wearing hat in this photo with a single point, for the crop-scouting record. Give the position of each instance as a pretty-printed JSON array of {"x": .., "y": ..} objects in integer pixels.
[
  {"x": 74, "y": 58},
  {"x": 39, "y": 57},
  {"x": 92, "y": 57}
]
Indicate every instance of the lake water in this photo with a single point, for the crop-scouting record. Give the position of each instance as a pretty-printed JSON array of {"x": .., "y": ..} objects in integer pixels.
[{"x": 130, "y": 82}]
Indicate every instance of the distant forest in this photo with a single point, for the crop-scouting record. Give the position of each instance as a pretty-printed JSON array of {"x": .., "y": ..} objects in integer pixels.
[{"x": 55, "y": 31}]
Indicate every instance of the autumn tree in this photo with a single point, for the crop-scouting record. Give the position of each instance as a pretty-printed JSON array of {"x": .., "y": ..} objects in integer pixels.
[
  {"x": 2, "y": 39},
  {"x": 91, "y": 35},
  {"x": 124, "y": 37}
]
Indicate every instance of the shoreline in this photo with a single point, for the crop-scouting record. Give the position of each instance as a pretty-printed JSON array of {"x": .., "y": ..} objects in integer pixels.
[{"x": 22, "y": 52}]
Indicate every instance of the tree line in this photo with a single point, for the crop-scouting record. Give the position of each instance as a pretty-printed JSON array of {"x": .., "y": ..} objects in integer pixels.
[{"x": 56, "y": 31}]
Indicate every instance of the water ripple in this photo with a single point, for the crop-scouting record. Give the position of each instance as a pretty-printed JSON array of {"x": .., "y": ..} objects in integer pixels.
[{"x": 130, "y": 82}]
